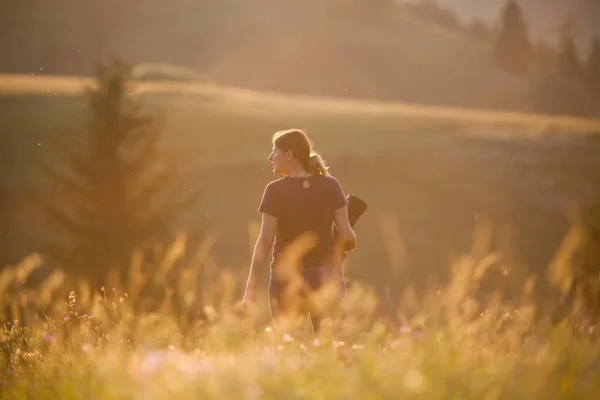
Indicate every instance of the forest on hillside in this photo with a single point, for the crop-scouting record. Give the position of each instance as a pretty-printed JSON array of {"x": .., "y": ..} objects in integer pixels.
[{"x": 420, "y": 52}]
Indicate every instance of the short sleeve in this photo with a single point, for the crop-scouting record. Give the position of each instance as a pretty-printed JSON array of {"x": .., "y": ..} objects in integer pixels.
[
  {"x": 338, "y": 197},
  {"x": 268, "y": 203}
]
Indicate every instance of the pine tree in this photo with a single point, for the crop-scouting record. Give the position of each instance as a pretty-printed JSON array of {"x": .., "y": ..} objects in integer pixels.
[
  {"x": 564, "y": 87},
  {"x": 513, "y": 50},
  {"x": 545, "y": 55},
  {"x": 112, "y": 186},
  {"x": 592, "y": 69},
  {"x": 568, "y": 63}
]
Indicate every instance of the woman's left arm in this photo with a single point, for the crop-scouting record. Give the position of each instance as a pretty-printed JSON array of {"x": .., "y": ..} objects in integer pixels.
[{"x": 262, "y": 248}]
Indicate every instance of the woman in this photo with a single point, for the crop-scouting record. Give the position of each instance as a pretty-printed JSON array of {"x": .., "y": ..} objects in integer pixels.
[{"x": 298, "y": 212}]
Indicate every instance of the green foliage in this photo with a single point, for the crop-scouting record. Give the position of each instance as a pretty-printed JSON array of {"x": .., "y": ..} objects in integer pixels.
[
  {"x": 114, "y": 188},
  {"x": 513, "y": 50}
]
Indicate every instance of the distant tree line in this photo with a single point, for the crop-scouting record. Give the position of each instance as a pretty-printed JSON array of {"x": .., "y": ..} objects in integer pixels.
[
  {"x": 67, "y": 40},
  {"x": 435, "y": 13},
  {"x": 566, "y": 82}
]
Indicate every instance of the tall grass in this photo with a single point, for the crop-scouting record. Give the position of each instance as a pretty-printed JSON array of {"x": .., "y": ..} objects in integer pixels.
[{"x": 175, "y": 332}]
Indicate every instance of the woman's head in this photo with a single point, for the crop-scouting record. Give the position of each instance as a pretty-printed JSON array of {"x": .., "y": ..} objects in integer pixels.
[{"x": 293, "y": 149}]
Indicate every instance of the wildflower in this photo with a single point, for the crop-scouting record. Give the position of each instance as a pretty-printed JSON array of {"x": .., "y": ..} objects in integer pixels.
[
  {"x": 46, "y": 337},
  {"x": 414, "y": 381},
  {"x": 269, "y": 362},
  {"x": 405, "y": 329},
  {"x": 191, "y": 368},
  {"x": 287, "y": 338},
  {"x": 253, "y": 391},
  {"x": 151, "y": 362}
]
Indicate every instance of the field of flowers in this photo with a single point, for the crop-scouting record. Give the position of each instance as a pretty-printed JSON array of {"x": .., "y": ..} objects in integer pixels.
[{"x": 60, "y": 340}]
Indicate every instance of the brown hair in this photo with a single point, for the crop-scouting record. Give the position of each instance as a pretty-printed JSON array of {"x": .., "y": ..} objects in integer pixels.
[{"x": 298, "y": 142}]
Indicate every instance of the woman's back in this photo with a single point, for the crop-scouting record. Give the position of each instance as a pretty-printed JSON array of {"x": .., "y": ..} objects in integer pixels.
[
  {"x": 304, "y": 205},
  {"x": 307, "y": 200}
]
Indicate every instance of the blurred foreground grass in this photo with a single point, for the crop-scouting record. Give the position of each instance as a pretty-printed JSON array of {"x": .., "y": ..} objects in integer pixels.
[{"x": 173, "y": 333}]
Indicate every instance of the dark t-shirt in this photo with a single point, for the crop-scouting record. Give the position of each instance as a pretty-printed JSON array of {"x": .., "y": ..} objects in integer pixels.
[{"x": 304, "y": 210}]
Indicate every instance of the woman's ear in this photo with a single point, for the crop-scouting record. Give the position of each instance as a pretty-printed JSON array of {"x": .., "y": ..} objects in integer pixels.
[{"x": 289, "y": 155}]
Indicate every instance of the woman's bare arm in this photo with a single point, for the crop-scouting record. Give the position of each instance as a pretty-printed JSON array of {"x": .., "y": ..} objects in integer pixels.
[
  {"x": 262, "y": 248},
  {"x": 347, "y": 236}
]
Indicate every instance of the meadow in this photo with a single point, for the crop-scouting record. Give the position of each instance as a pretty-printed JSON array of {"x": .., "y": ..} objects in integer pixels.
[
  {"x": 102, "y": 345},
  {"x": 428, "y": 172},
  {"x": 468, "y": 209}
]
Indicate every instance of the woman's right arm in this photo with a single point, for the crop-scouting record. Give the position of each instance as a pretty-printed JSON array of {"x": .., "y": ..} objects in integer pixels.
[
  {"x": 263, "y": 247},
  {"x": 346, "y": 234},
  {"x": 264, "y": 243}
]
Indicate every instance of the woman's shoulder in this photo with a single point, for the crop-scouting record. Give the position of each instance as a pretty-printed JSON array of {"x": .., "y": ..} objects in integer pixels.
[
  {"x": 331, "y": 180},
  {"x": 274, "y": 184},
  {"x": 327, "y": 180}
]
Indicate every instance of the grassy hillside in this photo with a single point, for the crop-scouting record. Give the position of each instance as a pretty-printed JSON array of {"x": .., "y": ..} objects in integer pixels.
[
  {"x": 400, "y": 59},
  {"x": 430, "y": 175},
  {"x": 209, "y": 117},
  {"x": 284, "y": 46}
]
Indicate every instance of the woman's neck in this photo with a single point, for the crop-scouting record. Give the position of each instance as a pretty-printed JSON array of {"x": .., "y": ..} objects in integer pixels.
[{"x": 298, "y": 172}]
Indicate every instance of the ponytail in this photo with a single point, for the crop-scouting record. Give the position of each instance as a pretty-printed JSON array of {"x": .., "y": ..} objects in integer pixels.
[
  {"x": 296, "y": 141},
  {"x": 316, "y": 165}
]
